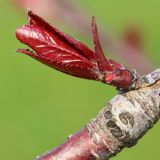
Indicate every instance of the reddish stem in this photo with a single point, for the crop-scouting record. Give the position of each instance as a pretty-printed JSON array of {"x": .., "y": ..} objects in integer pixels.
[{"x": 78, "y": 147}]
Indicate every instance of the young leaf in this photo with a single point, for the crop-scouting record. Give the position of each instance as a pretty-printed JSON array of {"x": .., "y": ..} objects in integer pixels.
[{"x": 66, "y": 54}]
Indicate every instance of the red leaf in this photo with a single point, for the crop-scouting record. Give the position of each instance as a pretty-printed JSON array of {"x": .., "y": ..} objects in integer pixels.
[
  {"x": 70, "y": 56},
  {"x": 103, "y": 63},
  {"x": 63, "y": 40},
  {"x": 48, "y": 52}
]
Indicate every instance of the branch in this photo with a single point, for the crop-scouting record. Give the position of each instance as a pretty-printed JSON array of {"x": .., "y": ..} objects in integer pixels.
[{"x": 125, "y": 119}]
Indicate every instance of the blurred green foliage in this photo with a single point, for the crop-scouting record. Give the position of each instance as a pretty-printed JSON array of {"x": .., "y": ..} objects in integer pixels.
[{"x": 40, "y": 107}]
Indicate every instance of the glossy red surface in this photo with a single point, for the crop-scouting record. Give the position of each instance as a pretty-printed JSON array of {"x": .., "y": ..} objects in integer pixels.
[{"x": 68, "y": 55}]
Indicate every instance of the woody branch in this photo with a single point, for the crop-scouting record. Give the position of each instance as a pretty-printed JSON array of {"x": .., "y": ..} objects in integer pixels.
[{"x": 125, "y": 119}]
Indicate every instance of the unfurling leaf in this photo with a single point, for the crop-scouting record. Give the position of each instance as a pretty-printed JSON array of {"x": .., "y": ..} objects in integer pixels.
[{"x": 66, "y": 54}]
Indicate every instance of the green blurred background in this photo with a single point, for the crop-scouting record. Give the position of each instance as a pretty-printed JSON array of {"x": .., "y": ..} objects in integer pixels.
[{"x": 40, "y": 107}]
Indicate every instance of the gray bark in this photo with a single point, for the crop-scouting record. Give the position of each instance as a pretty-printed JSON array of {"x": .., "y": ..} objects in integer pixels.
[{"x": 127, "y": 117}]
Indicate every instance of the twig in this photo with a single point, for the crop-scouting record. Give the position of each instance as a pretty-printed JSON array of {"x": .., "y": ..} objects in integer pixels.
[{"x": 125, "y": 119}]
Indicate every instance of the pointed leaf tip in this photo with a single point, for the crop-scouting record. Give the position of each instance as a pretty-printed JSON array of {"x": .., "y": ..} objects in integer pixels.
[
  {"x": 103, "y": 62},
  {"x": 19, "y": 33}
]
